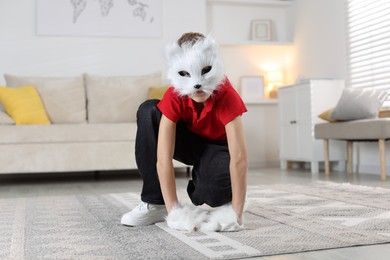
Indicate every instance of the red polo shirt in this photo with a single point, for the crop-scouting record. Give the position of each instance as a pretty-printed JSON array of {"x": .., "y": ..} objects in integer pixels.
[{"x": 222, "y": 107}]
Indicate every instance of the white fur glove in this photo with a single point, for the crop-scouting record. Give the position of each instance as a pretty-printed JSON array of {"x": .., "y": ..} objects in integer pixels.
[
  {"x": 186, "y": 218},
  {"x": 190, "y": 218},
  {"x": 222, "y": 219}
]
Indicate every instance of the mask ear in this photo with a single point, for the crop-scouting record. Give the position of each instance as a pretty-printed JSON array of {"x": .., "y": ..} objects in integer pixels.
[
  {"x": 210, "y": 45},
  {"x": 171, "y": 51}
]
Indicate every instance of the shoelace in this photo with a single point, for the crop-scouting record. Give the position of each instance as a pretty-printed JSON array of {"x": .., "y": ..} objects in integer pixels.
[{"x": 142, "y": 206}]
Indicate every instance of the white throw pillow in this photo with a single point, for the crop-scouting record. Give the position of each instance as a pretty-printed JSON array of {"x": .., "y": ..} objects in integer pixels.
[
  {"x": 355, "y": 104},
  {"x": 63, "y": 97},
  {"x": 5, "y": 119},
  {"x": 115, "y": 99}
]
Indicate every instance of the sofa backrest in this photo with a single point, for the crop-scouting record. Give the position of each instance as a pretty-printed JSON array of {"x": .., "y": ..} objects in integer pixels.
[
  {"x": 115, "y": 99},
  {"x": 88, "y": 98},
  {"x": 63, "y": 97}
]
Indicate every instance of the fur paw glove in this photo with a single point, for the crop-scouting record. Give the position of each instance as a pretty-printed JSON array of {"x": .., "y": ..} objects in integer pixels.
[
  {"x": 186, "y": 218},
  {"x": 222, "y": 219},
  {"x": 189, "y": 218}
]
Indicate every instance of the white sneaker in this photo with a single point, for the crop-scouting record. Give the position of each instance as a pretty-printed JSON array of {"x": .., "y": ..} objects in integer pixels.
[{"x": 144, "y": 214}]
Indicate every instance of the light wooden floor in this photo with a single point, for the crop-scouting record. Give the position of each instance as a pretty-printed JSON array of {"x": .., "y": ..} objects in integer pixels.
[{"x": 125, "y": 181}]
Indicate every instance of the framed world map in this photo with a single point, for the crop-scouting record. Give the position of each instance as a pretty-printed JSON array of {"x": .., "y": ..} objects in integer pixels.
[{"x": 112, "y": 18}]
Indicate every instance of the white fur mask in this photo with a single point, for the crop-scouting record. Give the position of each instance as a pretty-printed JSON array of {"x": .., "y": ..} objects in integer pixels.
[{"x": 194, "y": 67}]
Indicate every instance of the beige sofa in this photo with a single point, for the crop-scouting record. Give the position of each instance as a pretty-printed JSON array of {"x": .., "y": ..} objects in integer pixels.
[{"x": 93, "y": 124}]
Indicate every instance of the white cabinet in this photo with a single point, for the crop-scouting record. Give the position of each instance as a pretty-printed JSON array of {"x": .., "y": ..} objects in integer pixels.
[{"x": 299, "y": 107}]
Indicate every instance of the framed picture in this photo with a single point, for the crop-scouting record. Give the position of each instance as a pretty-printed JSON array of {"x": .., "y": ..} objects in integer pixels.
[
  {"x": 252, "y": 88},
  {"x": 261, "y": 30}
]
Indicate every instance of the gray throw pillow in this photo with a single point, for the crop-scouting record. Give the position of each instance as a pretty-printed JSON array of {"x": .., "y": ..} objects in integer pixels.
[{"x": 355, "y": 104}]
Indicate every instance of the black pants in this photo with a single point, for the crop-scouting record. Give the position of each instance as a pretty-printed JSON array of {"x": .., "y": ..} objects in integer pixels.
[{"x": 210, "y": 182}]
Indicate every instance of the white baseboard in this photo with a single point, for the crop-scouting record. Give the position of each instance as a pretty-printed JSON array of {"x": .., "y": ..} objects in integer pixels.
[
  {"x": 370, "y": 169},
  {"x": 262, "y": 164}
]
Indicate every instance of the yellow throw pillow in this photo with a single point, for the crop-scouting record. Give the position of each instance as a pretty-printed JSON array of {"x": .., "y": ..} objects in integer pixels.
[
  {"x": 24, "y": 105},
  {"x": 383, "y": 113},
  {"x": 157, "y": 92},
  {"x": 326, "y": 115}
]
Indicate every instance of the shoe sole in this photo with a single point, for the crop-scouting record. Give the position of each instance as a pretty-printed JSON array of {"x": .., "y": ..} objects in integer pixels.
[{"x": 148, "y": 221}]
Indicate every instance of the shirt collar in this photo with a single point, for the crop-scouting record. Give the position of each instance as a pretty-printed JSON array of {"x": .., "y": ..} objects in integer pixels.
[{"x": 209, "y": 102}]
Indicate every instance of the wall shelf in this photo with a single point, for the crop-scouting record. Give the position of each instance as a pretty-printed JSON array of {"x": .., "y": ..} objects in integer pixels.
[
  {"x": 254, "y": 43},
  {"x": 256, "y": 101},
  {"x": 230, "y": 21},
  {"x": 253, "y": 2}
]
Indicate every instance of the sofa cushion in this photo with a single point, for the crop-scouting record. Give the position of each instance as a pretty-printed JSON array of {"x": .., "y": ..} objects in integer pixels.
[
  {"x": 63, "y": 97},
  {"x": 24, "y": 105},
  {"x": 365, "y": 129},
  {"x": 157, "y": 92},
  {"x": 115, "y": 99},
  {"x": 62, "y": 133}
]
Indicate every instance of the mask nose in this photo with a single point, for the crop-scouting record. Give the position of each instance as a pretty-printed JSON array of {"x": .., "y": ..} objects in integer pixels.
[{"x": 197, "y": 86}]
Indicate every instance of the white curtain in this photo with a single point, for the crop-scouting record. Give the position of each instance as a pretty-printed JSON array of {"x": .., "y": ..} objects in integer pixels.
[{"x": 369, "y": 44}]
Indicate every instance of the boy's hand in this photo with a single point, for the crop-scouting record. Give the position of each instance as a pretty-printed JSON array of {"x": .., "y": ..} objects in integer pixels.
[
  {"x": 190, "y": 218},
  {"x": 186, "y": 218}
]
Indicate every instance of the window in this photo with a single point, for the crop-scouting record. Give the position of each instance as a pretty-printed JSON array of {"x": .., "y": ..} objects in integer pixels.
[{"x": 369, "y": 44}]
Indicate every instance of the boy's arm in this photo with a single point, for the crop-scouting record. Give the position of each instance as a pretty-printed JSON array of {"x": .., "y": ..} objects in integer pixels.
[
  {"x": 238, "y": 164},
  {"x": 165, "y": 150}
]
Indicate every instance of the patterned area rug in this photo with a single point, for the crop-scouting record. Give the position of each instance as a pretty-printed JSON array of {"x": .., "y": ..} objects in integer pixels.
[{"x": 280, "y": 219}]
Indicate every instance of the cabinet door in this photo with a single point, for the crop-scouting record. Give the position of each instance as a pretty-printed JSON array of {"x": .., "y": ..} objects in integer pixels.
[
  {"x": 304, "y": 142},
  {"x": 288, "y": 131},
  {"x": 287, "y": 106},
  {"x": 289, "y": 142},
  {"x": 303, "y": 122},
  {"x": 303, "y": 104}
]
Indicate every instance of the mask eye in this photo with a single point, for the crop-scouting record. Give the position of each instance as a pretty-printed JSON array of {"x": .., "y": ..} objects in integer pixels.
[
  {"x": 184, "y": 73},
  {"x": 206, "y": 70}
]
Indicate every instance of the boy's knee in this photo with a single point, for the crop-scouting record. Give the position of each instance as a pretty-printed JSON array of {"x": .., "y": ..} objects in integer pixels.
[
  {"x": 212, "y": 196},
  {"x": 148, "y": 107}
]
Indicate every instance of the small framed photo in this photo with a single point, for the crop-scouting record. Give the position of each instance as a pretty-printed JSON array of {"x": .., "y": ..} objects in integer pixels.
[
  {"x": 261, "y": 30},
  {"x": 252, "y": 88}
]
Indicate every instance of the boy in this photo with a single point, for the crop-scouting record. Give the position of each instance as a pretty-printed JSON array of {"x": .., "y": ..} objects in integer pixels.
[{"x": 197, "y": 122}]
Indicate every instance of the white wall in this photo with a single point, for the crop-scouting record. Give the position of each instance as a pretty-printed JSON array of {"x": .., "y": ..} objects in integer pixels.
[
  {"x": 24, "y": 53},
  {"x": 320, "y": 38}
]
